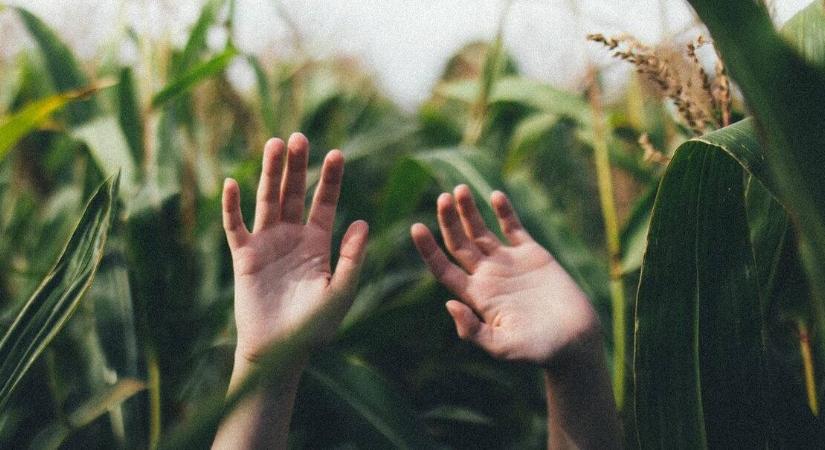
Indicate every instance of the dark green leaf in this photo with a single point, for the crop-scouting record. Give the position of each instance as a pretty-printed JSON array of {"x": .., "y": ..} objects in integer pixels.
[
  {"x": 698, "y": 315},
  {"x": 48, "y": 309},
  {"x": 784, "y": 92},
  {"x": 130, "y": 118}
]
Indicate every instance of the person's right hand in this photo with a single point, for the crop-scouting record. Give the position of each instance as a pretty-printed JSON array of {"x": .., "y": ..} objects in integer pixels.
[{"x": 515, "y": 301}]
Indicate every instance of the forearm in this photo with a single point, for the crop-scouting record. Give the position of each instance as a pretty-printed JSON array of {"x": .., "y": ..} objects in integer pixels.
[
  {"x": 581, "y": 409},
  {"x": 262, "y": 419}
]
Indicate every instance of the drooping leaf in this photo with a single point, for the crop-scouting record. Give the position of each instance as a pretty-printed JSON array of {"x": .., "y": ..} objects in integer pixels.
[
  {"x": 16, "y": 126},
  {"x": 63, "y": 67},
  {"x": 784, "y": 92},
  {"x": 50, "y": 307},
  {"x": 195, "y": 75},
  {"x": 464, "y": 165},
  {"x": 698, "y": 313}
]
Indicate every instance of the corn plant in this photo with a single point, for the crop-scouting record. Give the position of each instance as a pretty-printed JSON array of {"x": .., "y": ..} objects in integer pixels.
[{"x": 717, "y": 241}]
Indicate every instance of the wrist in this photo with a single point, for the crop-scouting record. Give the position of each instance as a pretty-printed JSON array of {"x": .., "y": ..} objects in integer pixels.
[{"x": 584, "y": 352}]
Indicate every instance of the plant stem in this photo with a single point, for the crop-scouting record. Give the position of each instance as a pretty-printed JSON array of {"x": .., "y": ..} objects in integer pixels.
[
  {"x": 808, "y": 367},
  {"x": 154, "y": 397},
  {"x": 611, "y": 228}
]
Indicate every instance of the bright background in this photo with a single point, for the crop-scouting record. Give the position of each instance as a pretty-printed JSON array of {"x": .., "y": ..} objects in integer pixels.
[{"x": 404, "y": 43}]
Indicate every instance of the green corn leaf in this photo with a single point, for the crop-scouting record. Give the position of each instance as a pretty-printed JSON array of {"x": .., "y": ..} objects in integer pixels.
[
  {"x": 129, "y": 116},
  {"x": 18, "y": 125},
  {"x": 191, "y": 78},
  {"x": 63, "y": 67},
  {"x": 784, "y": 90},
  {"x": 372, "y": 398},
  {"x": 407, "y": 182},
  {"x": 698, "y": 310},
  {"x": 196, "y": 44},
  {"x": 53, "y": 303},
  {"x": 464, "y": 165}
]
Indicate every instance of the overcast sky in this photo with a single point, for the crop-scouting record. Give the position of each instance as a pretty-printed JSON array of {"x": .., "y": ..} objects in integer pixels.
[{"x": 403, "y": 43}]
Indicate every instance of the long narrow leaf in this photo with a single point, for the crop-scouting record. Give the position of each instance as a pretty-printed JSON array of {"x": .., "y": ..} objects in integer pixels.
[
  {"x": 50, "y": 307},
  {"x": 194, "y": 76},
  {"x": 129, "y": 116},
  {"x": 15, "y": 127}
]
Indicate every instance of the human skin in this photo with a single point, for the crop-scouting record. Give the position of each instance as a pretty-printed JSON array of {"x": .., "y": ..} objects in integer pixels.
[
  {"x": 514, "y": 300},
  {"x": 517, "y": 303},
  {"x": 283, "y": 281}
]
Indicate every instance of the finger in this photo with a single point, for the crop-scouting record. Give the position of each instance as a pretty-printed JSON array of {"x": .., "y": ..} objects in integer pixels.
[
  {"x": 456, "y": 240},
  {"x": 472, "y": 221},
  {"x": 468, "y": 325},
  {"x": 268, "y": 202},
  {"x": 508, "y": 219},
  {"x": 350, "y": 259},
  {"x": 322, "y": 212},
  {"x": 293, "y": 186},
  {"x": 445, "y": 271},
  {"x": 236, "y": 232}
]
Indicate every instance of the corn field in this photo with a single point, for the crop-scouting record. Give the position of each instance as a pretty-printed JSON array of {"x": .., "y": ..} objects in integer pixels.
[{"x": 691, "y": 211}]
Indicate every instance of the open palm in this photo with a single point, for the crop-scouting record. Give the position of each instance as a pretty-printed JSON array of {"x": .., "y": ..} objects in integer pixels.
[
  {"x": 516, "y": 302},
  {"x": 282, "y": 268}
]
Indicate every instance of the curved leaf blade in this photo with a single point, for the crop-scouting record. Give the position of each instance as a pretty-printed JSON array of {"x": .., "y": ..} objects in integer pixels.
[
  {"x": 18, "y": 125},
  {"x": 698, "y": 315},
  {"x": 194, "y": 76},
  {"x": 783, "y": 88},
  {"x": 53, "y": 303}
]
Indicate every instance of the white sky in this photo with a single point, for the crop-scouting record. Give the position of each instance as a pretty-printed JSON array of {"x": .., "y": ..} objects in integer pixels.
[{"x": 403, "y": 43}]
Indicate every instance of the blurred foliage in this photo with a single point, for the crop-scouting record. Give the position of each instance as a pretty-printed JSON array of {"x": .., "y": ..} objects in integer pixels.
[{"x": 149, "y": 350}]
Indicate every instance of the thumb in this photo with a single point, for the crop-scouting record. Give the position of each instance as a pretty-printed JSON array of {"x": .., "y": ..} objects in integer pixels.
[
  {"x": 353, "y": 250},
  {"x": 467, "y": 323}
]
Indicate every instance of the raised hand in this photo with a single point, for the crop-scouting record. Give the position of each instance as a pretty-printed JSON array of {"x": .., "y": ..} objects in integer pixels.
[
  {"x": 515, "y": 301},
  {"x": 282, "y": 268}
]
